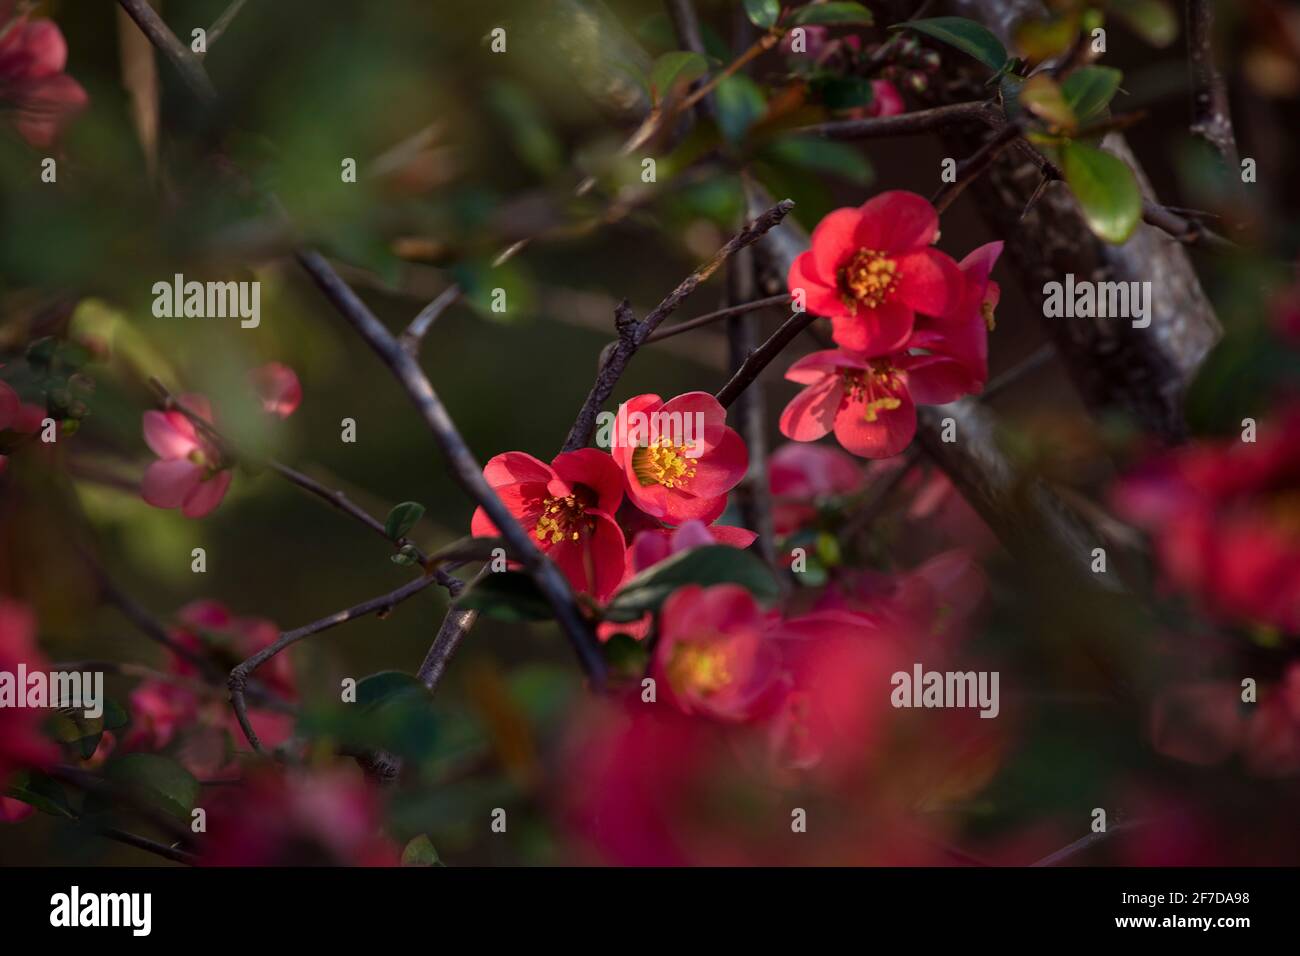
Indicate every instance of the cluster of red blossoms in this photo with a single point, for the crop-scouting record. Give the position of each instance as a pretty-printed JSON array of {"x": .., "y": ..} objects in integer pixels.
[
  {"x": 910, "y": 322},
  {"x": 33, "y": 87},
  {"x": 584, "y": 506}
]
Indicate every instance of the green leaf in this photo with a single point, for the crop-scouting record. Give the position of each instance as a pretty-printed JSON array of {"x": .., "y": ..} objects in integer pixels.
[
  {"x": 1042, "y": 96},
  {"x": 402, "y": 519},
  {"x": 374, "y": 689},
  {"x": 832, "y": 13},
  {"x": 711, "y": 564},
  {"x": 1106, "y": 189},
  {"x": 420, "y": 852},
  {"x": 1089, "y": 90},
  {"x": 740, "y": 105},
  {"x": 521, "y": 116},
  {"x": 763, "y": 13},
  {"x": 966, "y": 35},
  {"x": 115, "y": 715},
  {"x": 507, "y": 596},
  {"x": 157, "y": 780},
  {"x": 37, "y": 790},
  {"x": 1037, "y": 40},
  {"x": 680, "y": 66},
  {"x": 1152, "y": 20},
  {"x": 823, "y": 156}
]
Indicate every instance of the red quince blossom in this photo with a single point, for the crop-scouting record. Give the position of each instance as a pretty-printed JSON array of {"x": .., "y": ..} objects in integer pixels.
[
  {"x": 962, "y": 332},
  {"x": 17, "y": 417},
  {"x": 885, "y": 99},
  {"x": 715, "y": 655},
  {"x": 21, "y": 743},
  {"x": 1225, "y": 521},
  {"x": 298, "y": 818},
  {"x": 568, "y": 507},
  {"x": 869, "y": 400},
  {"x": 679, "y": 471},
  {"x": 189, "y": 473},
  {"x": 871, "y": 269},
  {"x": 277, "y": 387},
  {"x": 801, "y": 475},
  {"x": 33, "y": 85}
]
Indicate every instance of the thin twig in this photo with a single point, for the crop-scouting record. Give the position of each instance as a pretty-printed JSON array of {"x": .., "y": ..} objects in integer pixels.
[
  {"x": 420, "y": 325},
  {"x": 970, "y": 169},
  {"x": 176, "y": 52},
  {"x": 633, "y": 334},
  {"x": 239, "y": 675},
  {"x": 710, "y": 317},
  {"x": 904, "y": 124},
  {"x": 1036, "y": 360},
  {"x": 761, "y": 356},
  {"x": 1211, "y": 114},
  {"x": 222, "y": 22}
]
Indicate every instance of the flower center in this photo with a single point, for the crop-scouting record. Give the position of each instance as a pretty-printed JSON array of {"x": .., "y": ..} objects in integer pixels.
[
  {"x": 868, "y": 279},
  {"x": 198, "y": 457},
  {"x": 699, "y": 668},
  {"x": 663, "y": 463},
  {"x": 562, "y": 518},
  {"x": 986, "y": 310},
  {"x": 874, "y": 388}
]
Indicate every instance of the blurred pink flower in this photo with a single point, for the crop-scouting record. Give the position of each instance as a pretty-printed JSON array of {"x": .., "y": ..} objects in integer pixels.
[
  {"x": 21, "y": 742},
  {"x": 277, "y": 388},
  {"x": 33, "y": 86},
  {"x": 189, "y": 473}
]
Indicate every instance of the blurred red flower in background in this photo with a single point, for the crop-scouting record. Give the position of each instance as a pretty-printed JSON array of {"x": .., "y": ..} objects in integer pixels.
[{"x": 33, "y": 87}]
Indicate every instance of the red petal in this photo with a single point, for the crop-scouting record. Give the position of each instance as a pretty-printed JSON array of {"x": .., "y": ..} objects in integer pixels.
[
  {"x": 169, "y": 435},
  {"x": 203, "y": 499},
  {"x": 929, "y": 282},
  {"x": 889, "y": 434},
  {"x": 935, "y": 380},
  {"x": 811, "y": 413},
  {"x": 878, "y": 331},
  {"x": 711, "y": 415},
  {"x": 834, "y": 241},
  {"x": 815, "y": 366},
  {"x": 167, "y": 483},
  {"x": 721, "y": 469},
  {"x": 897, "y": 221},
  {"x": 820, "y": 298},
  {"x": 595, "y": 469},
  {"x": 515, "y": 467}
]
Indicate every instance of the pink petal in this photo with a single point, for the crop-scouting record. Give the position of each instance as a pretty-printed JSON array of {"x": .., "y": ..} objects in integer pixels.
[
  {"x": 721, "y": 470},
  {"x": 820, "y": 298},
  {"x": 935, "y": 380},
  {"x": 833, "y": 242},
  {"x": 811, "y": 413},
  {"x": 277, "y": 388},
  {"x": 732, "y": 537},
  {"x": 595, "y": 469},
  {"x": 889, "y": 434},
  {"x": 514, "y": 467},
  {"x": 707, "y": 412},
  {"x": 815, "y": 366},
  {"x": 681, "y": 507},
  {"x": 877, "y": 331},
  {"x": 44, "y": 44},
  {"x": 168, "y": 483},
  {"x": 203, "y": 499},
  {"x": 169, "y": 435}
]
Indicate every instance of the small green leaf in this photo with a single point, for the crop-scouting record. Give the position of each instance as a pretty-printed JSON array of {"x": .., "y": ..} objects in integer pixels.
[
  {"x": 507, "y": 596},
  {"x": 1089, "y": 90},
  {"x": 1106, "y": 189},
  {"x": 763, "y": 13},
  {"x": 832, "y": 13},
  {"x": 1042, "y": 96},
  {"x": 37, "y": 790},
  {"x": 711, "y": 564},
  {"x": 843, "y": 92},
  {"x": 626, "y": 655},
  {"x": 157, "y": 780},
  {"x": 740, "y": 105},
  {"x": 402, "y": 519},
  {"x": 966, "y": 35},
  {"x": 374, "y": 689},
  {"x": 1037, "y": 40},
  {"x": 420, "y": 852},
  {"x": 679, "y": 66},
  {"x": 115, "y": 715}
]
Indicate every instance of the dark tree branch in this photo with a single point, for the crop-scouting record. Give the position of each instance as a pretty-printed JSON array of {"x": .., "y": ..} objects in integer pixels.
[
  {"x": 222, "y": 23},
  {"x": 420, "y": 325},
  {"x": 1211, "y": 113},
  {"x": 176, "y": 52},
  {"x": 762, "y": 356},
  {"x": 710, "y": 317}
]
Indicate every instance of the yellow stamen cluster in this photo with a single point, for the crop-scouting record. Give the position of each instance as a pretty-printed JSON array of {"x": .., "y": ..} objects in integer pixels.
[
  {"x": 562, "y": 518},
  {"x": 699, "y": 668},
  {"x": 986, "y": 310},
  {"x": 873, "y": 389},
  {"x": 663, "y": 463},
  {"x": 868, "y": 279}
]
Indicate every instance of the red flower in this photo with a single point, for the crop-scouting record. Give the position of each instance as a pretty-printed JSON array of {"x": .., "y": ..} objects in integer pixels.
[
  {"x": 885, "y": 100},
  {"x": 21, "y": 743},
  {"x": 679, "y": 457},
  {"x": 189, "y": 474},
  {"x": 800, "y": 475},
  {"x": 277, "y": 388},
  {"x": 869, "y": 401},
  {"x": 962, "y": 332},
  {"x": 715, "y": 655},
  {"x": 568, "y": 507},
  {"x": 871, "y": 269},
  {"x": 32, "y": 82},
  {"x": 658, "y": 544},
  {"x": 1225, "y": 521}
]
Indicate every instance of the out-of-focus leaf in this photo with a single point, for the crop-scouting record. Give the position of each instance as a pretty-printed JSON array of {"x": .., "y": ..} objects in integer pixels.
[
  {"x": 421, "y": 852},
  {"x": 1152, "y": 20},
  {"x": 533, "y": 139},
  {"x": 140, "y": 77},
  {"x": 1089, "y": 90},
  {"x": 402, "y": 519},
  {"x": 711, "y": 564},
  {"x": 966, "y": 35},
  {"x": 37, "y": 790},
  {"x": 822, "y": 156},
  {"x": 626, "y": 655},
  {"x": 507, "y": 596},
  {"x": 374, "y": 689},
  {"x": 1042, "y": 96},
  {"x": 740, "y": 105},
  {"x": 832, "y": 13},
  {"x": 843, "y": 92},
  {"x": 763, "y": 13},
  {"x": 158, "y": 781},
  {"x": 1037, "y": 40},
  {"x": 679, "y": 66},
  {"x": 1106, "y": 189},
  {"x": 115, "y": 715}
]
